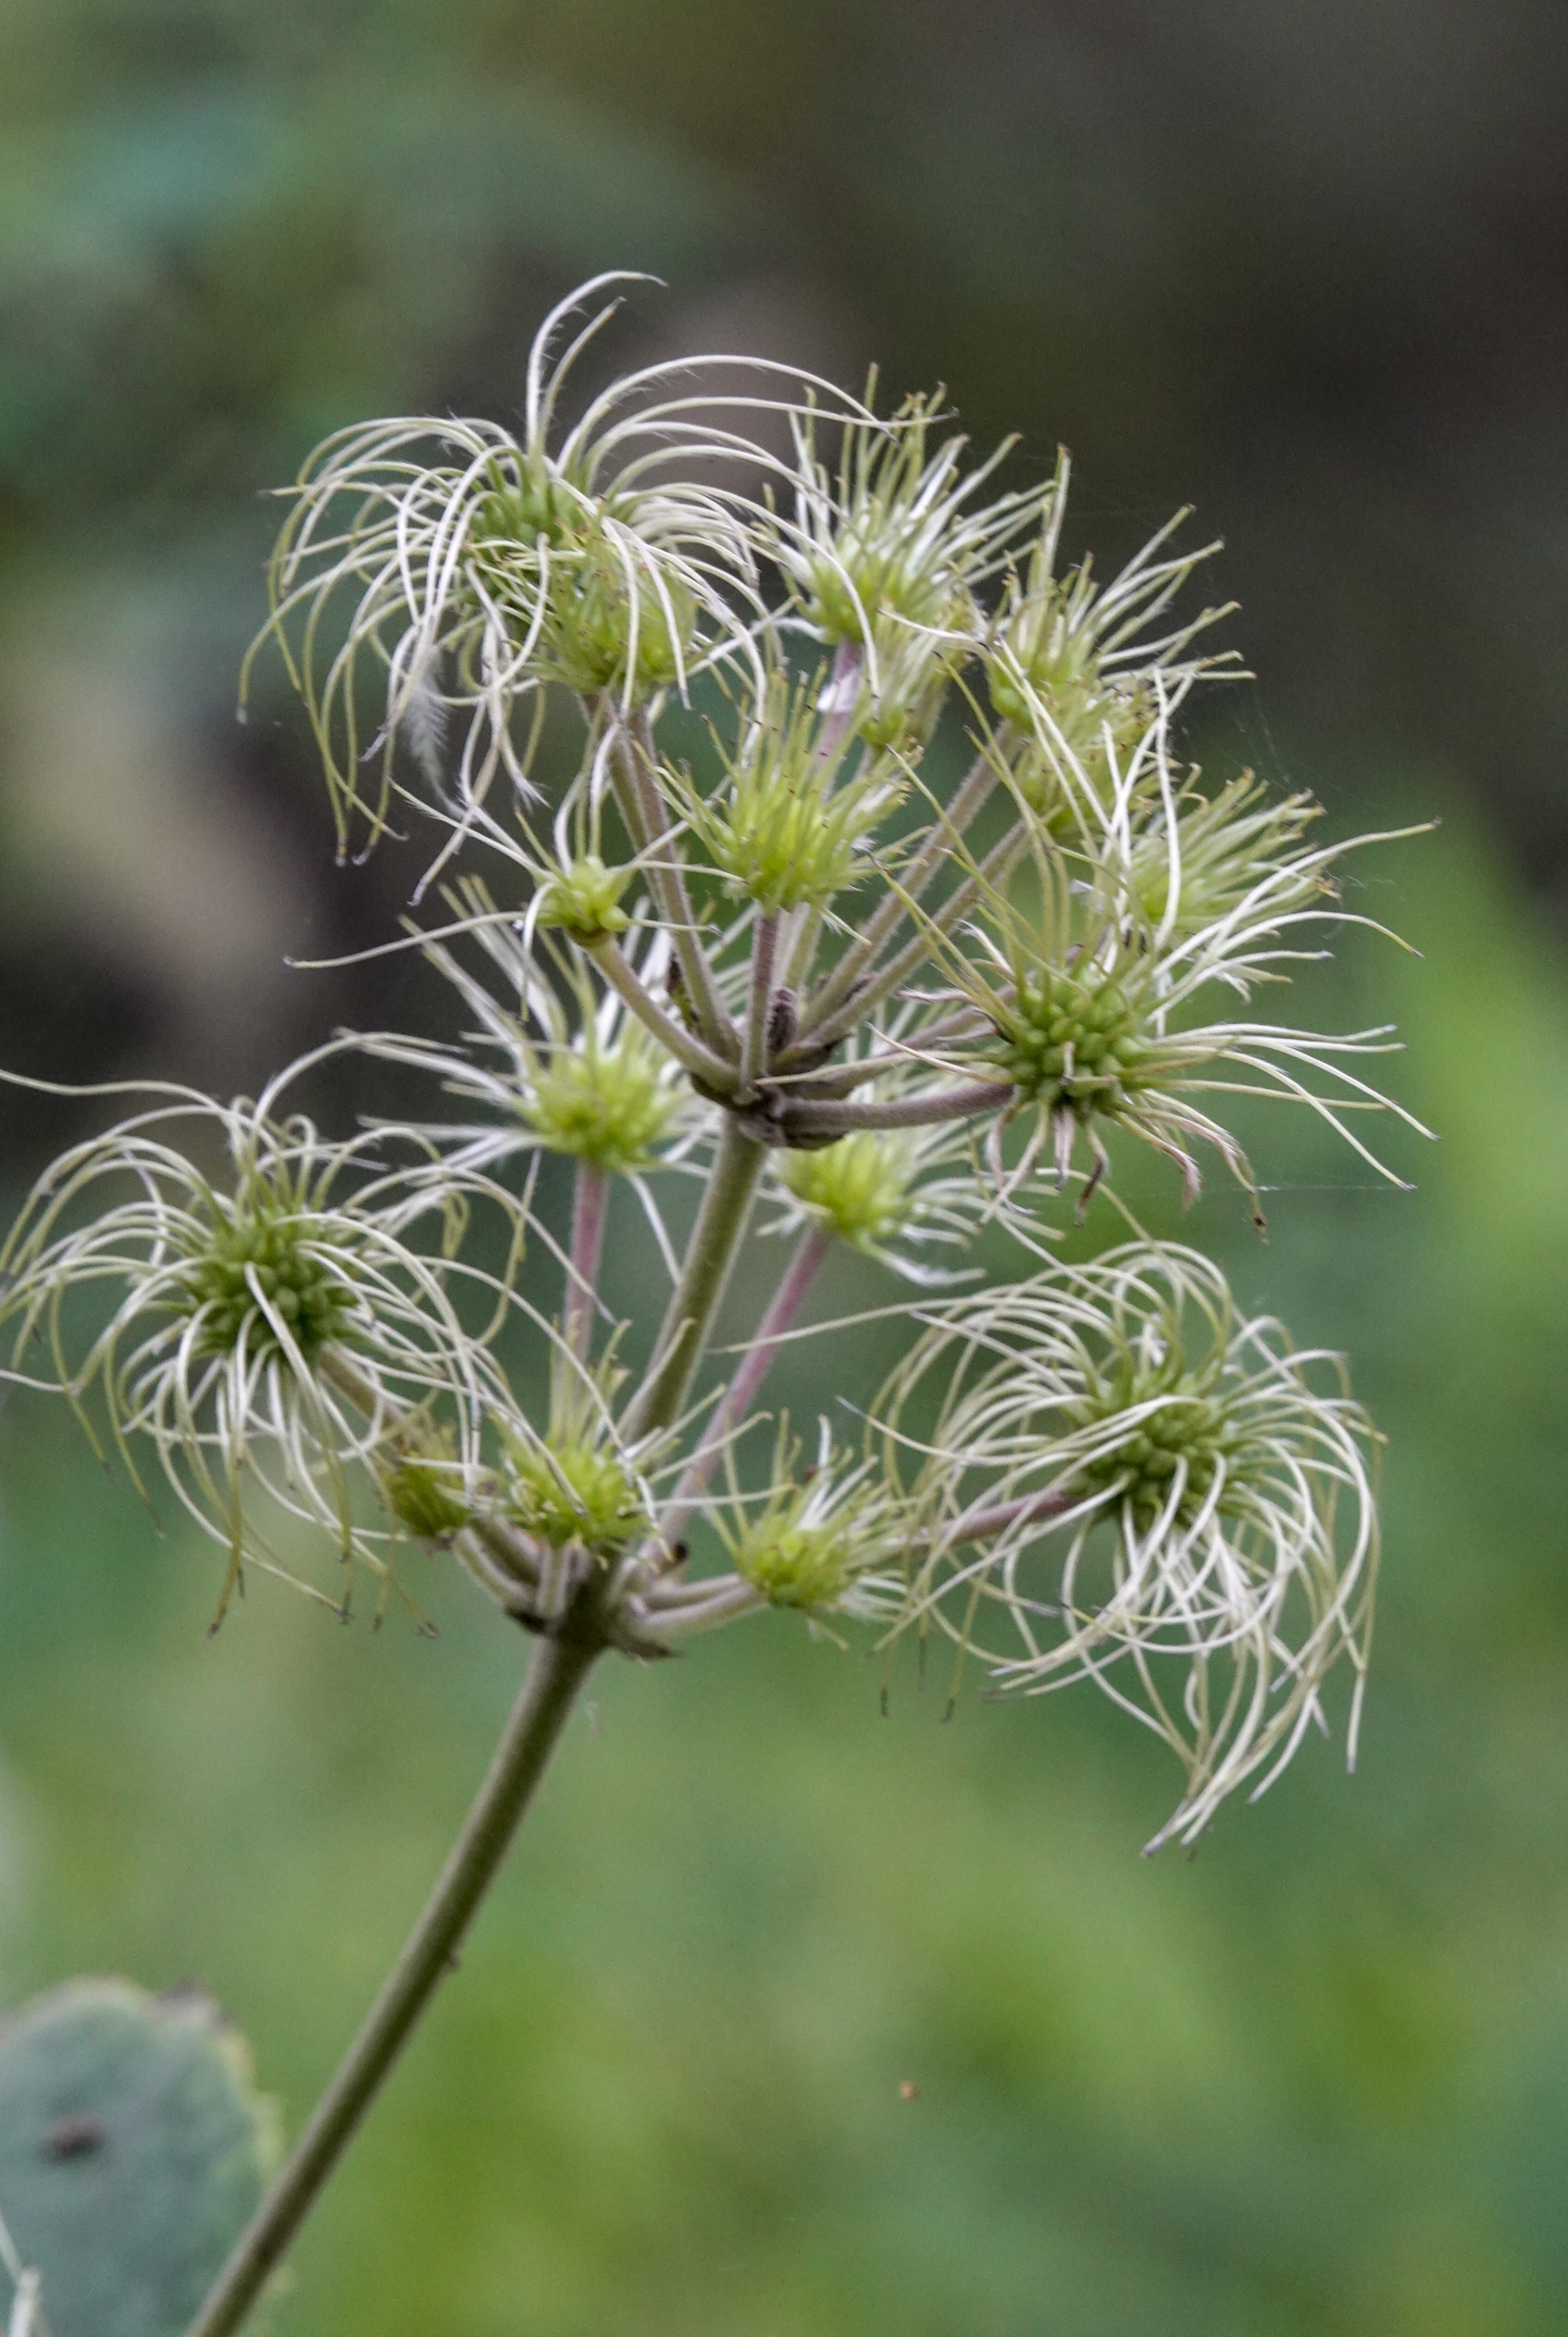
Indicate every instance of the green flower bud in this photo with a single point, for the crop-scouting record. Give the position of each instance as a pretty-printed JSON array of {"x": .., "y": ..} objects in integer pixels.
[
  {"x": 575, "y": 1491},
  {"x": 859, "y": 1187},
  {"x": 518, "y": 515},
  {"x": 427, "y": 1496},
  {"x": 787, "y": 830},
  {"x": 583, "y": 899},
  {"x": 797, "y": 1565},
  {"x": 1047, "y": 656},
  {"x": 609, "y": 1105}
]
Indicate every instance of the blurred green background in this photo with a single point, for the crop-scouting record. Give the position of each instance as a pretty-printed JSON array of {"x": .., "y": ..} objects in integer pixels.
[{"x": 1300, "y": 267}]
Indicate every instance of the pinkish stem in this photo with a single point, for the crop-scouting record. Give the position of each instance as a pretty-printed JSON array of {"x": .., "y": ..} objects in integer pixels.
[
  {"x": 755, "y": 1364},
  {"x": 842, "y": 694},
  {"x": 590, "y": 1207}
]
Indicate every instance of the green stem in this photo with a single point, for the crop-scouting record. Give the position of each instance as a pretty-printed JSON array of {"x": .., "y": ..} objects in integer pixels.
[
  {"x": 916, "y": 952},
  {"x": 826, "y": 1121},
  {"x": 688, "y": 1051},
  {"x": 715, "y": 1237},
  {"x": 632, "y": 765},
  {"x": 946, "y": 838},
  {"x": 590, "y": 1195},
  {"x": 755, "y": 1365},
  {"x": 754, "y": 1051},
  {"x": 555, "y": 1672}
]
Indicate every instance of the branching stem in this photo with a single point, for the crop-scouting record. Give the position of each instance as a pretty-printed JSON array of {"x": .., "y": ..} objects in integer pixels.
[
  {"x": 930, "y": 927},
  {"x": 633, "y": 763},
  {"x": 969, "y": 801},
  {"x": 754, "y": 1053},
  {"x": 830, "y": 1120},
  {"x": 688, "y": 1051}
]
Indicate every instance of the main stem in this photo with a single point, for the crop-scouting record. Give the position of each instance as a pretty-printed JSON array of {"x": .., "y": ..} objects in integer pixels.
[
  {"x": 716, "y": 1237},
  {"x": 555, "y": 1672}
]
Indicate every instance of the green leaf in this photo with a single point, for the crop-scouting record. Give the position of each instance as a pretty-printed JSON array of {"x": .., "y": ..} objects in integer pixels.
[{"x": 133, "y": 2152}]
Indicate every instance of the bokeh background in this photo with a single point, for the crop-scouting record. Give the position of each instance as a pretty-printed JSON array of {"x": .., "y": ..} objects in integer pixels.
[{"x": 1299, "y": 266}]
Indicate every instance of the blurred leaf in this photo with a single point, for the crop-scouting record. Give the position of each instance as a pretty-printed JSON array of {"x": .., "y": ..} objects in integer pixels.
[{"x": 133, "y": 2152}]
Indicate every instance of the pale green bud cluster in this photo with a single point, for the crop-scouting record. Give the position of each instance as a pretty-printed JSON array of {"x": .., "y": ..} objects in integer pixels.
[
  {"x": 890, "y": 541},
  {"x": 907, "y": 676},
  {"x": 861, "y": 1188},
  {"x": 790, "y": 827},
  {"x": 1228, "y": 847},
  {"x": 598, "y": 616},
  {"x": 574, "y": 1492},
  {"x": 793, "y": 1564},
  {"x": 536, "y": 507},
  {"x": 583, "y": 899},
  {"x": 426, "y": 1494},
  {"x": 1046, "y": 659},
  {"x": 607, "y": 1106}
]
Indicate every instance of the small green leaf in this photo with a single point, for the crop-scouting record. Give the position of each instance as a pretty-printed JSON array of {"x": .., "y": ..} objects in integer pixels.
[{"x": 133, "y": 2152}]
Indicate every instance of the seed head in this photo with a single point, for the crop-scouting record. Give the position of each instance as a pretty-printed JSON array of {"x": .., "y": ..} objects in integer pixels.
[
  {"x": 891, "y": 538},
  {"x": 861, "y": 1187},
  {"x": 820, "y": 1541},
  {"x": 1144, "y": 1489}
]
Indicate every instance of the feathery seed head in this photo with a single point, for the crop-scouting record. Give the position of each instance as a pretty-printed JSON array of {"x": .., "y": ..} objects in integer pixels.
[
  {"x": 1144, "y": 1489},
  {"x": 260, "y": 1272},
  {"x": 608, "y": 1106},
  {"x": 820, "y": 1541},
  {"x": 891, "y": 536},
  {"x": 268, "y": 1342}
]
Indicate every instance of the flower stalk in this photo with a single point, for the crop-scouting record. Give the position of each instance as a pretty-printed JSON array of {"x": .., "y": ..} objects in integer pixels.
[{"x": 558, "y": 1667}]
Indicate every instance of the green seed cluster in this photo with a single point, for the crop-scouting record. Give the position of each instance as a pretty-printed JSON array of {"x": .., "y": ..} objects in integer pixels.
[
  {"x": 522, "y": 514},
  {"x": 268, "y": 1252},
  {"x": 591, "y": 593},
  {"x": 608, "y": 1108},
  {"x": 588, "y": 627},
  {"x": 787, "y": 829},
  {"x": 796, "y": 1565},
  {"x": 886, "y": 574},
  {"x": 426, "y": 1497},
  {"x": 584, "y": 899},
  {"x": 1043, "y": 661},
  {"x": 859, "y": 1186},
  {"x": 574, "y": 1493},
  {"x": 1069, "y": 1042},
  {"x": 1186, "y": 1424},
  {"x": 783, "y": 845}
]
